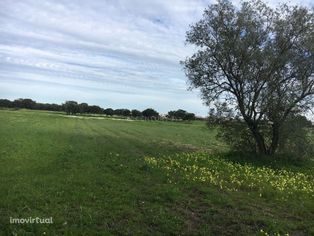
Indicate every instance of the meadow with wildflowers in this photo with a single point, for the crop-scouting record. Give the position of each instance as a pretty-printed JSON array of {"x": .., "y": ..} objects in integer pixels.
[
  {"x": 114, "y": 177},
  {"x": 231, "y": 176}
]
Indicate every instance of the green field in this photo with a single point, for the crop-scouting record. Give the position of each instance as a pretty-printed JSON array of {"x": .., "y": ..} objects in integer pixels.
[{"x": 98, "y": 176}]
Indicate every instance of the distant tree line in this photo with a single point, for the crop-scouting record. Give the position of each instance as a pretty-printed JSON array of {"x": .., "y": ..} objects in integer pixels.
[
  {"x": 73, "y": 108},
  {"x": 30, "y": 104}
]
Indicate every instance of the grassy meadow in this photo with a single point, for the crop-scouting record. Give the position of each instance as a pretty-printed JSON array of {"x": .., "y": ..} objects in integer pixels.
[{"x": 99, "y": 176}]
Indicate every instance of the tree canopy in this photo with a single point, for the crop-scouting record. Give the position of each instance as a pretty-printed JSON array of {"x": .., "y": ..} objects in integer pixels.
[
  {"x": 71, "y": 107},
  {"x": 257, "y": 59},
  {"x": 136, "y": 113},
  {"x": 181, "y": 114},
  {"x": 150, "y": 113}
]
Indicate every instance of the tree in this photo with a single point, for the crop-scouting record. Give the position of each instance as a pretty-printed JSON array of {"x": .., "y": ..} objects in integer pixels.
[
  {"x": 122, "y": 112},
  {"x": 294, "y": 133},
  {"x": 150, "y": 113},
  {"x": 126, "y": 112},
  {"x": 109, "y": 112},
  {"x": 95, "y": 109},
  {"x": 220, "y": 113},
  {"x": 71, "y": 107},
  {"x": 189, "y": 116},
  {"x": 258, "y": 60},
  {"x": 171, "y": 114},
  {"x": 5, "y": 103},
  {"x": 54, "y": 107},
  {"x": 118, "y": 112},
  {"x": 136, "y": 113},
  {"x": 181, "y": 115},
  {"x": 83, "y": 108},
  {"x": 24, "y": 103},
  {"x": 48, "y": 107}
]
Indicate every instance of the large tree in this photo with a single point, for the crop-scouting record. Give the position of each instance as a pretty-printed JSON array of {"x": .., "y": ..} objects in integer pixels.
[
  {"x": 258, "y": 59},
  {"x": 71, "y": 107},
  {"x": 150, "y": 113},
  {"x": 83, "y": 107},
  {"x": 181, "y": 114},
  {"x": 109, "y": 112},
  {"x": 24, "y": 103},
  {"x": 136, "y": 113}
]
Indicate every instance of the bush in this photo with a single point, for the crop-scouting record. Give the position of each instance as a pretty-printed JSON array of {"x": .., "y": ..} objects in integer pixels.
[
  {"x": 236, "y": 134},
  {"x": 294, "y": 135}
]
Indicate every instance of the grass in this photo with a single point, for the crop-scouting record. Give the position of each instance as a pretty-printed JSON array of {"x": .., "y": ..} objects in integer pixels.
[{"x": 115, "y": 177}]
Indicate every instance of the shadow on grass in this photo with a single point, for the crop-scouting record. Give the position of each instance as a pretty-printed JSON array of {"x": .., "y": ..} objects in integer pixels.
[{"x": 278, "y": 161}]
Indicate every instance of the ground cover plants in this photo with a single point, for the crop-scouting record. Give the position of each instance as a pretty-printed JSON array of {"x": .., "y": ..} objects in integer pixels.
[{"x": 116, "y": 177}]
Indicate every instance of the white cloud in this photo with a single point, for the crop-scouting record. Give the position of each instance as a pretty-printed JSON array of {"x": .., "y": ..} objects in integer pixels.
[{"x": 121, "y": 51}]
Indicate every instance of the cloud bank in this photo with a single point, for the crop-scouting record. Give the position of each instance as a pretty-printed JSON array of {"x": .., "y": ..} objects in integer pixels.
[{"x": 112, "y": 53}]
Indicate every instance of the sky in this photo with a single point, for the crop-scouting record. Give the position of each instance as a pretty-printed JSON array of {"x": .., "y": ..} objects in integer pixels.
[{"x": 111, "y": 53}]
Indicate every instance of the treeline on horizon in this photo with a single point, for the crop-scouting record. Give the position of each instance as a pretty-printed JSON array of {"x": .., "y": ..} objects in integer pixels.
[{"x": 73, "y": 108}]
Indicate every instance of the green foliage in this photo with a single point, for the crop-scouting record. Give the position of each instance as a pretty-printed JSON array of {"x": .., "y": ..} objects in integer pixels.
[
  {"x": 150, "y": 113},
  {"x": 29, "y": 104},
  {"x": 122, "y": 112},
  {"x": 5, "y": 103},
  {"x": 24, "y": 103},
  {"x": 236, "y": 134},
  {"x": 95, "y": 109},
  {"x": 109, "y": 112},
  {"x": 295, "y": 137},
  {"x": 83, "y": 108},
  {"x": 71, "y": 107},
  {"x": 189, "y": 116},
  {"x": 136, "y": 113},
  {"x": 181, "y": 115},
  {"x": 256, "y": 58}
]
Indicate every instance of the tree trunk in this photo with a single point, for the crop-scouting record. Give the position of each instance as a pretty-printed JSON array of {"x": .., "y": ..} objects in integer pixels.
[
  {"x": 259, "y": 140},
  {"x": 274, "y": 140}
]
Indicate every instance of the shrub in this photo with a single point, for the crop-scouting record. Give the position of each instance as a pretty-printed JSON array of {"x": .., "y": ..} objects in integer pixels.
[{"x": 294, "y": 139}]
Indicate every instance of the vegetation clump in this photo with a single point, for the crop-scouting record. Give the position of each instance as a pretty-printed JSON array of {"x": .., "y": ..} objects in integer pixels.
[
  {"x": 232, "y": 176},
  {"x": 259, "y": 61}
]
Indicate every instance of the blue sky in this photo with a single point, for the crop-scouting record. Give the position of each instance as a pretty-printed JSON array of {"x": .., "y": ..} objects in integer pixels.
[{"x": 112, "y": 53}]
